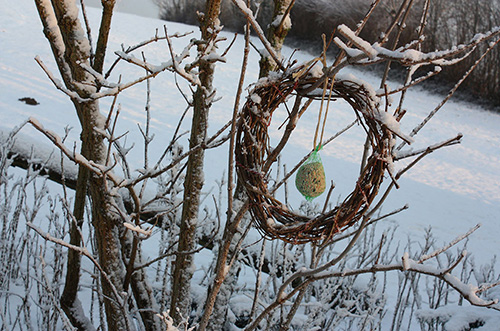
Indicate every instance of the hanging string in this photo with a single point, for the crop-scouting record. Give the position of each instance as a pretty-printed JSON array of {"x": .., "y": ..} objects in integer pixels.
[
  {"x": 315, "y": 145},
  {"x": 318, "y": 145},
  {"x": 326, "y": 114}
]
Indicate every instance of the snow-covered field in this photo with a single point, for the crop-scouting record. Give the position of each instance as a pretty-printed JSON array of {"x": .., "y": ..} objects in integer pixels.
[{"x": 451, "y": 190}]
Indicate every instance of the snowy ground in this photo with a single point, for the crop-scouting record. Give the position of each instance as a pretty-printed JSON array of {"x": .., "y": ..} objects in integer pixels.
[
  {"x": 146, "y": 8},
  {"x": 451, "y": 190}
]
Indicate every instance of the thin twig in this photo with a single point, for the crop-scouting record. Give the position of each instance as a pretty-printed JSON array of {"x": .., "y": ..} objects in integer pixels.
[{"x": 452, "y": 243}]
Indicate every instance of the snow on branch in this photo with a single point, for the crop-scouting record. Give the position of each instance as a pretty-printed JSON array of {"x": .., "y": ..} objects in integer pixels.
[
  {"x": 260, "y": 33},
  {"x": 468, "y": 291},
  {"x": 174, "y": 65},
  {"x": 54, "y": 36},
  {"x": 58, "y": 84},
  {"x": 408, "y": 56},
  {"x": 156, "y": 38},
  {"x": 399, "y": 155},
  {"x": 138, "y": 229},
  {"x": 357, "y": 41},
  {"x": 103, "y": 170},
  {"x": 73, "y": 155},
  {"x": 387, "y": 119},
  {"x": 148, "y": 67},
  {"x": 113, "y": 88}
]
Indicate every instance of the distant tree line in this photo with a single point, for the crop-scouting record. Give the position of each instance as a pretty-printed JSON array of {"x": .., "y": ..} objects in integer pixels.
[{"x": 450, "y": 22}]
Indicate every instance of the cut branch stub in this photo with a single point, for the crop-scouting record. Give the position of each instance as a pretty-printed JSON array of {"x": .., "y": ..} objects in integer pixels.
[{"x": 254, "y": 156}]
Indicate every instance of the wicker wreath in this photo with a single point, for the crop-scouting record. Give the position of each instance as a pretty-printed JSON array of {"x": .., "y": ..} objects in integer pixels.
[{"x": 254, "y": 156}]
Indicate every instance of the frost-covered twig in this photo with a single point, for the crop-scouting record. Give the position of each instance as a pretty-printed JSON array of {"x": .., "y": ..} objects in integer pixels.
[
  {"x": 400, "y": 155},
  {"x": 452, "y": 91},
  {"x": 130, "y": 49},
  {"x": 176, "y": 60},
  {"x": 427, "y": 151},
  {"x": 169, "y": 322},
  {"x": 175, "y": 137},
  {"x": 55, "y": 302},
  {"x": 409, "y": 56},
  {"x": 489, "y": 286},
  {"x": 137, "y": 229},
  {"x": 116, "y": 88},
  {"x": 230, "y": 173},
  {"x": 258, "y": 279},
  {"x": 84, "y": 251},
  {"x": 468, "y": 291},
  {"x": 209, "y": 143},
  {"x": 72, "y": 155},
  {"x": 400, "y": 22},
  {"x": 415, "y": 82},
  {"x": 58, "y": 84},
  {"x": 460, "y": 238}
]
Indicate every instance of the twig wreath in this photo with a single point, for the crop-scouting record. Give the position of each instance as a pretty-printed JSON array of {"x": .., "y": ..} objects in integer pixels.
[{"x": 254, "y": 156}]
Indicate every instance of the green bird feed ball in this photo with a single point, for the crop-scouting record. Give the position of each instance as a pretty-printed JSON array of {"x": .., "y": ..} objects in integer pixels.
[{"x": 310, "y": 180}]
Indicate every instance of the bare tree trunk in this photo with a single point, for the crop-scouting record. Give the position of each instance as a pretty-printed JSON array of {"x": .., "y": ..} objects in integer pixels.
[
  {"x": 102, "y": 42},
  {"x": 69, "y": 299},
  {"x": 142, "y": 291},
  {"x": 276, "y": 34},
  {"x": 220, "y": 292},
  {"x": 182, "y": 269},
  {"x": 71, "y": 49}
]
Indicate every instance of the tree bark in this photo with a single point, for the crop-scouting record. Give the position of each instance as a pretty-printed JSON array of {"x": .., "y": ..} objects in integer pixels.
[
  {"x": 142, "y": 291},
  {"x": 71, "y": 48},
  {"x": 183, "y": 267},
  {"x": 219, "y": 292},
  {"x": 224, "y": 291},
  {"x": 69, "y": 297},
  {"x": 276, "y": 34},
  {"x": 102, "y": 42}
]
